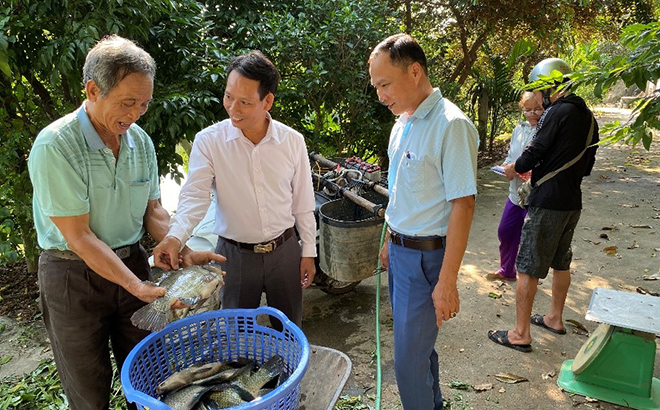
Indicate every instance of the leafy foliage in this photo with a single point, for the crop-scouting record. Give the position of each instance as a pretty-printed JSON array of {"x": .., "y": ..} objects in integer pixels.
[
  {"x": 42, "y": 390},
  {"x": 496, "y": 92},
  {"x": 640, "y": 66},
  {"x": 321, "y": 50},
  {"x": 40, "y": 80}
]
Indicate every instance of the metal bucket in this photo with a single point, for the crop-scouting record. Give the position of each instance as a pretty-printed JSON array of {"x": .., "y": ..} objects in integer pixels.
[{"x": 349, "y": 239}]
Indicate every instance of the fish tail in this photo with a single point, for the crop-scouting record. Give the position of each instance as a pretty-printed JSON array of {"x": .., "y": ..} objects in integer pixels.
[{"x": 149, "y": 317}]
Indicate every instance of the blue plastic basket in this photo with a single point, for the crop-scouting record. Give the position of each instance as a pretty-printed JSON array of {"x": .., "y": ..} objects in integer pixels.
[{"x": 211, "y": 337}]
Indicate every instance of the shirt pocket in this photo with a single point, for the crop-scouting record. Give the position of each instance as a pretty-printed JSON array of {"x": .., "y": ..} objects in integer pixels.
[
  {"x": 415, "y": 171},
  {"x": 139, "y": 193}
]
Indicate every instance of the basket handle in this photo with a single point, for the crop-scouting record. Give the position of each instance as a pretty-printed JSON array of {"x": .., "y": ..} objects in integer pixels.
[{"x": 267, "y": 310}]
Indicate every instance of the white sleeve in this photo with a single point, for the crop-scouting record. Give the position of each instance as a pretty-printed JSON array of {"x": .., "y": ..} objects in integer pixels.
[{"x": 195, "y": 195}]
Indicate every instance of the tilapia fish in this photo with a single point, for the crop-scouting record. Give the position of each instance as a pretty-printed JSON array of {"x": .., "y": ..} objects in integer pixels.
[
  {"x": 204, "y": 373},
  {"x": 223, "y": 389},
  {"x": 254, "y": 381},
  {"x": 191, "y": 285},
  {"x": 186, "y": 398}
]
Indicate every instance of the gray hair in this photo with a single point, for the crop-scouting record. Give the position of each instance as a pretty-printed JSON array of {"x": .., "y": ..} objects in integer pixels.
[{"x": 112, "y": 59}]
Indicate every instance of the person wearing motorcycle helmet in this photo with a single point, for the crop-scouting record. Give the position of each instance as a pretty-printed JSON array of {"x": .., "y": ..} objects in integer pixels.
[
  {"x": 561, "y": 153},
  {"x": 545, "y": 69}
]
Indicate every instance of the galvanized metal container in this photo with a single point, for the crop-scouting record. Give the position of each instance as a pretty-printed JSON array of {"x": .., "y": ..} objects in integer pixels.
[{"x": 349, "y": 238}]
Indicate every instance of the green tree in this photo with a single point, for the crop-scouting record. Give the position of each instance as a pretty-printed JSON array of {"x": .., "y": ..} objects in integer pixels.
[
  {"x": 321, "y": 50},
  {"x": 42, "y": 49},
  {"x": 495, "y": 91},
  {"x": 640, "y": 65}
]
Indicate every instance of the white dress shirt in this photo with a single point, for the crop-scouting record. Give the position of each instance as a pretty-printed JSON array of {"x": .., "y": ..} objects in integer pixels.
[{"x": 261, "y": 190}]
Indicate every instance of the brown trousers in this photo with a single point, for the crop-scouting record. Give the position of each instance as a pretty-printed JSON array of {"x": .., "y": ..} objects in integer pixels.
[
  {"x": 84, "y": 314},
  {"x": 276, "y": 273}
]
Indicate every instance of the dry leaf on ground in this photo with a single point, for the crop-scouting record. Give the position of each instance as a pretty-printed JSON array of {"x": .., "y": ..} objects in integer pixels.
[
  {"x": 483, "y": 387},
  {"x": 611, "y": 250},
  {"x": 510, "y": 378},
  {"x": 579, "y": 327},
  {"x": 550, "y": 375}
]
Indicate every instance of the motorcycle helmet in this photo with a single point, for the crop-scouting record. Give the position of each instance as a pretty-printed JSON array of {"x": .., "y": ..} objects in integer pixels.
[{"x": 545, "y": 68}]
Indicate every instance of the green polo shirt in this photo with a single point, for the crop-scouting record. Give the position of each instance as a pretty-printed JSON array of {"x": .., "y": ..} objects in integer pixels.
[{"x": 74, "y": 173}]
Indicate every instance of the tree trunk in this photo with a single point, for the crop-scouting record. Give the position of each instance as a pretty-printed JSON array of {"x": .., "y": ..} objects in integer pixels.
[
  {"x": 482, "y": 118},
  {"x": 30, "y": 246}
]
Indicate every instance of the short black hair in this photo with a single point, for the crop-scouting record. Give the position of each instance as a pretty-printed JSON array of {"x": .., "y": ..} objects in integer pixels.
[
  {"x": 403, "y": 50},
  {"x": 257, "y": 66}
]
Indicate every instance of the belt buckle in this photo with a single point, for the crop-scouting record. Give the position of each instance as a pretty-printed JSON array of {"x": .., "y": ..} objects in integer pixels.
[
  {"x": 265, "y": 247},
  {"x": 124, "y": 252}
]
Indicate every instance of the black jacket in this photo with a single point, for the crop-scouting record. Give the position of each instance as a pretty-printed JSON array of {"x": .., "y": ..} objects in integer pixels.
[{"x": 561, "y": 137}]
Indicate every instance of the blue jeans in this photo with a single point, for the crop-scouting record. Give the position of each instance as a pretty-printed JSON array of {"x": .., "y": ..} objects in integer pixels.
[{"x": 412, "y": 276}]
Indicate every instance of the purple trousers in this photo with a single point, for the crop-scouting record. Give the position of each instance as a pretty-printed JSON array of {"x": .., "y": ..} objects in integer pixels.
[{"x": 509, "y": 234}]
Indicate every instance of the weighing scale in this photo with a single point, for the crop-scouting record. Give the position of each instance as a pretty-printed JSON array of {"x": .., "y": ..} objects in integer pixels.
[{"x": 616, "y": 363}]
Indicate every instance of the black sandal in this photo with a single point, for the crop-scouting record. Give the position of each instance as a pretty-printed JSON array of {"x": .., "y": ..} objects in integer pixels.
[{"x": 501, "y": 338}]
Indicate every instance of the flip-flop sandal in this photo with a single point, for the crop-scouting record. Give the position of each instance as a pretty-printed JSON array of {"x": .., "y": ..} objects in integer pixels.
[
  {"x": 538, "y": 321},
  {"x": 501, "y": 338}
]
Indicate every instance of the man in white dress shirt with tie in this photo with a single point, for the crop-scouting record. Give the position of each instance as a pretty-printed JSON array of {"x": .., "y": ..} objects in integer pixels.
[{"x": 259, "y": 170}]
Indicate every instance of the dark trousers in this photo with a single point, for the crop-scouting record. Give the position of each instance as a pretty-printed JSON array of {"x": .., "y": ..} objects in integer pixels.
[
  {"x": 83, "y": 312},
  {"x": 276, "y": 273}
]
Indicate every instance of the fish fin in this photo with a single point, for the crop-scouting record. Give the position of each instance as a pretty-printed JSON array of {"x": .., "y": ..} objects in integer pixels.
[
  {"x": 191, "y": 301},
  {"x": 148, "y": 318}
]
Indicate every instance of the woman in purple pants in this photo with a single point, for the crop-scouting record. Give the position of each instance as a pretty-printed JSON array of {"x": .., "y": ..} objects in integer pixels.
[{"x": 513, "y": 215}]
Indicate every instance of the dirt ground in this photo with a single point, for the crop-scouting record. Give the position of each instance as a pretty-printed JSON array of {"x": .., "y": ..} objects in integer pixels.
[
  {"x": 621, "y": 208},
  {"x": 620, "y": 197}
]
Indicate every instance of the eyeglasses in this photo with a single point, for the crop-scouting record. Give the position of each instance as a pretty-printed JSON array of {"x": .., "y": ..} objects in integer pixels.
[{"x": 537, "y": 111}]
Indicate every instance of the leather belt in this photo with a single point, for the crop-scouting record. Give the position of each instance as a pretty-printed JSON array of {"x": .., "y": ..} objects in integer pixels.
[
  {"x": 420, "y": 244},
  {"x": 264, "y": 247},
  {"x": 122, "y": 252}
]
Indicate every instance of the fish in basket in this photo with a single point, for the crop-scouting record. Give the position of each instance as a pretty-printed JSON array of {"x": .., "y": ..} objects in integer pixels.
[{"x": 217, "y": 360}]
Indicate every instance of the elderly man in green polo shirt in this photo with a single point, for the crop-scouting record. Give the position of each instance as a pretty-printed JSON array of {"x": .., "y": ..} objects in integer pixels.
[{"x": 96, "y": 192}]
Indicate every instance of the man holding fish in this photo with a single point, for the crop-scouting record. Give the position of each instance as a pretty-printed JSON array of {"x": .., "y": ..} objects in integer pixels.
[
  {"x": 259, "y": 170},
  {"x": 96, "y": 192}
]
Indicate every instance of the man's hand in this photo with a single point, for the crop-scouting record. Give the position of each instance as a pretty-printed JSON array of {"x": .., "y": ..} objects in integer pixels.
[
  {"x": 385, "y": 254},
  {"x": 307, "y": 271},
  {"x": 191, "y": 257},
  {"x": 166, "y": 253},
  {"x": 510, "y": 171},
  {"x": 446, "y": 302},
  {"x": 146, "y": 291}
]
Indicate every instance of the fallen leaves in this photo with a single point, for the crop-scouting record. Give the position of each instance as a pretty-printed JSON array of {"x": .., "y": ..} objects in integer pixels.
[
  {"x": 510, "y": 378},
  {"x": 644, "y": 291},
  {"x": 579, "y": 328},
  {"x": 634, "y": 245},
  {"x": 611, "y": 250},
  {"x": 482, "y": 387},
  {"x": 460, "y": 385},
  {"x": 550, "y": 375}
]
